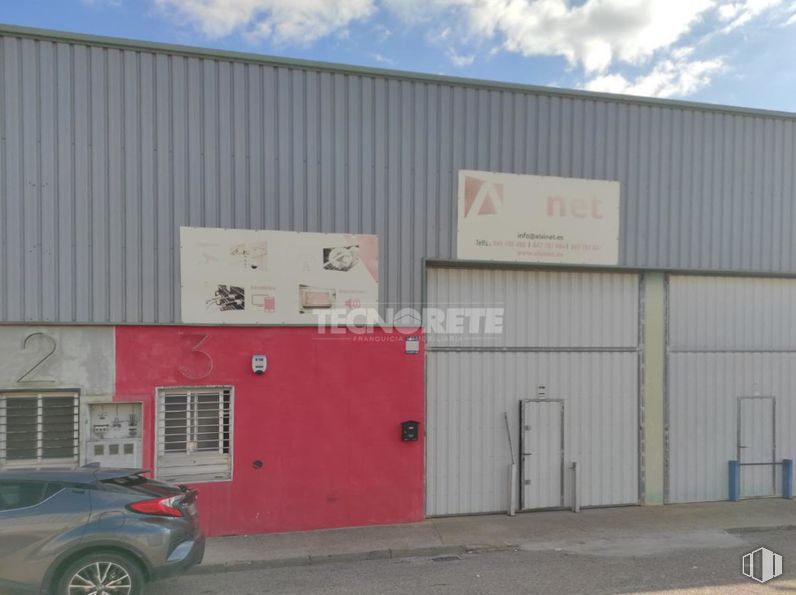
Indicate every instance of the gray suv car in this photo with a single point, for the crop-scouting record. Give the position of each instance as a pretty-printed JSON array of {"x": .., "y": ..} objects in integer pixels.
[{"x": 92, "y": 530}]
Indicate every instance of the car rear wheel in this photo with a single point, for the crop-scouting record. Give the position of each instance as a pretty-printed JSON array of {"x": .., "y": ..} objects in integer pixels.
[{"x": 101, "y": 574}]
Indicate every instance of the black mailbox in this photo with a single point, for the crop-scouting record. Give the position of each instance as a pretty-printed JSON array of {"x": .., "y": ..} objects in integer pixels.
[{"x": 410, "y": 430}]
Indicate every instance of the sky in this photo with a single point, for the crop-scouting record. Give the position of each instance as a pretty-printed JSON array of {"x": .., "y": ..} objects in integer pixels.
[{"x": 717, "y": 51}]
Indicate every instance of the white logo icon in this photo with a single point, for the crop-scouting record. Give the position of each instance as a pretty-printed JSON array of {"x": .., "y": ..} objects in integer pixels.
[{"x": 762, "y": 565}]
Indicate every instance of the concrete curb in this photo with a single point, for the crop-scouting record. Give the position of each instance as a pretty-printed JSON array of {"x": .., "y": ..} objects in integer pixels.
[
  {"x": 420, "y": 552},
  {"x": 398, "y": 553},
  {"x": 743, "y": 530}
]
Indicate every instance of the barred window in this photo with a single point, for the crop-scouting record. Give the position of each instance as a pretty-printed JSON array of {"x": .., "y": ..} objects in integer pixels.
[
  {"x": 194, "y": 434},
  {"x": 38, "y": 429}
]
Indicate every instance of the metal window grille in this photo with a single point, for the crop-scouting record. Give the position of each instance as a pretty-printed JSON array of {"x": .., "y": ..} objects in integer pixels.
[
  {"x": 38, "y": 429},
  {"x": 194, "y": 434}
]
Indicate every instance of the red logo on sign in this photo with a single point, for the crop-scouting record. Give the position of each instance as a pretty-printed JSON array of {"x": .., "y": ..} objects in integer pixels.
[{"x": 482, "y": 197}]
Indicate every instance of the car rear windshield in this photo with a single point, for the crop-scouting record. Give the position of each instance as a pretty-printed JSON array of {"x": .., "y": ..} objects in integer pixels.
[{"x": 140, "y": 485}]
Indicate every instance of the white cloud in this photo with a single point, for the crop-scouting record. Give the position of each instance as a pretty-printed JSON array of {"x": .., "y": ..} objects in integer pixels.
[
  {"x": 594, "y": 34},
  {"x": 381, "y": 58},
  {"x": 675, "y": 75},
  {"x": 737, "y": 14},
  {"x": 382, "y": 33},
  {"x": 460, "y": 60},
  {"x": 601, "y": 37},
  {"x": 790, "y": 15},
  {"x": 415, "y": 11},
  {"x": 296, "y": 21}
]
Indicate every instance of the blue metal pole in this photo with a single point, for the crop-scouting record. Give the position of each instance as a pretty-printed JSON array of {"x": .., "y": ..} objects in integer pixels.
[
  {"x": 787, "y": 478},
  {"x": 735, "y": 481}
]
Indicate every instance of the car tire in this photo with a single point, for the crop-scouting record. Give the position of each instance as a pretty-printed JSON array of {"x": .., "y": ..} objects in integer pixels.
[{"x": 114, "y": 570}]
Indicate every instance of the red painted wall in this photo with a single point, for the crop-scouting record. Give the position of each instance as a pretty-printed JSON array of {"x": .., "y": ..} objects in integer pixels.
[{"x": 324, "y": 419}]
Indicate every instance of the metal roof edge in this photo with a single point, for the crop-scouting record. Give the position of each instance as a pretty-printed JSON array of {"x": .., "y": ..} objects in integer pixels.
[{"x": 202, "y": 52}]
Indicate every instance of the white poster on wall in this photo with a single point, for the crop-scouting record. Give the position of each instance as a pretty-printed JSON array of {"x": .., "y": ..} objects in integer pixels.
[
  {"x": 243, "y": 276},
  {"x": 523, "y": 218}
]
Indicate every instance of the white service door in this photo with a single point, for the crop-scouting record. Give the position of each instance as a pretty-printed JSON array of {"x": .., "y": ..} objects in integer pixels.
[
  {"x": 756, "y": 445},
  {"x": 542, "y": 477}
]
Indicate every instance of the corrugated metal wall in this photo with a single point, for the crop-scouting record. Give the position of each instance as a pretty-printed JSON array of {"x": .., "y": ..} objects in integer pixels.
[
  {"x": 106, "y": 151},
  {"x": 728, "y": 337},
  {"x": 555, "y": 324}
]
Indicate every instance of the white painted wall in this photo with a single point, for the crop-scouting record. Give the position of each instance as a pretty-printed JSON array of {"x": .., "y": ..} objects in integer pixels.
[{"x": 83, "y": 359}]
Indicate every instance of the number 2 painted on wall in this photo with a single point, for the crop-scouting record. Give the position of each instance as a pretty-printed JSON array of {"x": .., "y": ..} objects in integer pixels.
[
  {"x": 197, "y": 348},
  {"x": 26, "y": 377}
]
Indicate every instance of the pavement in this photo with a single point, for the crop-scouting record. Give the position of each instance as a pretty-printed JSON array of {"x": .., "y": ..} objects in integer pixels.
[
  {"x": 636, "y": 530},
  {"x": 703, "y": 566}
]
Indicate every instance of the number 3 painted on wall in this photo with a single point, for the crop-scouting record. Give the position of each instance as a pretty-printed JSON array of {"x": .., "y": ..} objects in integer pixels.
[
  {"x": 25, "y": 378},
  {"x": 197, "y": 348}
]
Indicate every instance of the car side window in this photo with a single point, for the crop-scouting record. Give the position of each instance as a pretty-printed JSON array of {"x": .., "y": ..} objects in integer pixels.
[
  {"x": 21, "y": 494},
  {"x": 52, "y": 488}
]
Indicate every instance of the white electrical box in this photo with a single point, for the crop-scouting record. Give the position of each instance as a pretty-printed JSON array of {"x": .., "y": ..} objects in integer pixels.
[
  {"x": 412, "y": 345},
  {"x": 114, "y": 435},
  {"x": 259, "y": 364}
]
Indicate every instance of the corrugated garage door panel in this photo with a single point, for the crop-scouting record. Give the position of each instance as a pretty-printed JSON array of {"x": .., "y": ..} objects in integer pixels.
[
  {"x": 703, "y": 409},
  {"x": 575, "y": 333},
  {"x": 467, "y": 448},
  {"x": 543, "y": 308},
  {"x": 732, "y": 313},
  {"x": 728, "y": 337}
]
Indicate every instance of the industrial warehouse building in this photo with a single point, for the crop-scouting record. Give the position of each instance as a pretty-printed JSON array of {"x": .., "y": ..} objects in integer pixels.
[{"x": 636, "y": 258}]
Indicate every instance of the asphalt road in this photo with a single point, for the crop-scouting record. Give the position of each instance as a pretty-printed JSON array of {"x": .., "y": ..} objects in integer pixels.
[{"x": 699, "y": 562}]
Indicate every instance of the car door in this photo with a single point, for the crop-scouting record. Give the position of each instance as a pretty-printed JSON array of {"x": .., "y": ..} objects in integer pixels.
[{"x": 38, "y": 520}]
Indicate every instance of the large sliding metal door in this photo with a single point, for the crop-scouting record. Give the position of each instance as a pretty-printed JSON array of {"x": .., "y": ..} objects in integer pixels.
[
  {"x": 729, "y": 339},
  {"x": 574, "y": 333}
]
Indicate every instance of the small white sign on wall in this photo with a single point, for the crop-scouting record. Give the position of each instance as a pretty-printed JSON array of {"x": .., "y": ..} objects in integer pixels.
[{"x": 524, "y": 218}]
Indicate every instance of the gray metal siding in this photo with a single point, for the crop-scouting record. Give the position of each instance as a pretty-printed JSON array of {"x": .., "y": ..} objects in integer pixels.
[
  {"x": 728, "y": 338},
  {"x": 106, "y": 151}
]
